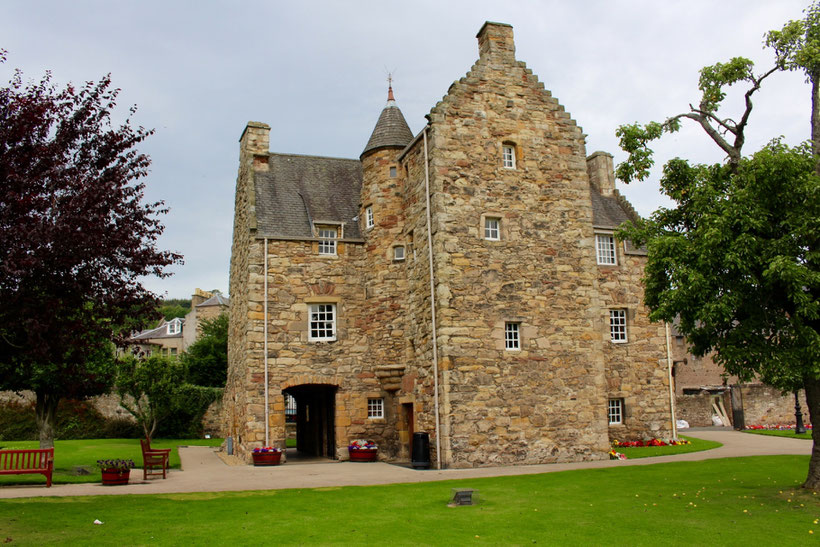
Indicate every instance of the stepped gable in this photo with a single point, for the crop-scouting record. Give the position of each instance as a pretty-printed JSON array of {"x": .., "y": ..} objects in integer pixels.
[
  {"x": 296, "y": 190},
  {"x": 391, "y": 130}
]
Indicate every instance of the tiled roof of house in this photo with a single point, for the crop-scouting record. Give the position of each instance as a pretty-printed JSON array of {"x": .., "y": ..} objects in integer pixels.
[
  {"x": 216, "y": 300},
  {"x": 297, "y": 190},
  {"x": 391, "y": 129}
]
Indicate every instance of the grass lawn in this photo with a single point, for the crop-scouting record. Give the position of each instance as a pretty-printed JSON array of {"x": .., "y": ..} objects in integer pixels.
[
  {"x": 779, "y": 433},
  {"x": 697, "y": 445},
  {"x": 736, "y": 501},
  {"x": 85, "y": 452}
]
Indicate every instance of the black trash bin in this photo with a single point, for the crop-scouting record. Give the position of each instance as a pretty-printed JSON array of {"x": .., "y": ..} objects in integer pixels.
[{"x": 421, "y": 451}]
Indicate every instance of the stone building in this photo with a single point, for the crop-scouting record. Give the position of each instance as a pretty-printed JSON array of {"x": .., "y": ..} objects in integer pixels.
[{"x": 463, "y": 282}]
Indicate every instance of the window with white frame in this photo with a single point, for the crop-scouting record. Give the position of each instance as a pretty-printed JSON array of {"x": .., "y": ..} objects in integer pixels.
[
  {"x": 512, "y": 336},
  {"x": 322, "y": 323},
  {"x": 615, "y": 411},
  {"x": 492, "y": 228},
  {"x": 605, "y": 249},
  {"x": 375, "y": 407},
  {"x": 174, "y": 326},
  {"x": 368, "y": 217},
  {"x": 327, "y": 241},
  {"x": 617, "y": 326},
  {"x": 508, "y": 156},
  {"x": 398, "y": 252}
]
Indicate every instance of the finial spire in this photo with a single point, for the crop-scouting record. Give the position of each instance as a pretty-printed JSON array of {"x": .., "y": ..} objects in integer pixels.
[{"x": 390, "y": 96}]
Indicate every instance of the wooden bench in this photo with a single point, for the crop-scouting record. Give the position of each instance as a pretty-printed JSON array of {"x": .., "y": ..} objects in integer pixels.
[
  {"x": 25, "y": 462},
  {"x": 154, "y": 458}
]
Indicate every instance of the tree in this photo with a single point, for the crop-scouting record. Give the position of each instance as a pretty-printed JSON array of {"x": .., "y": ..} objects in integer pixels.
[
  {"x": 155, "y": 389},
  {"x": 207, "y": 358},
  {"x": 737, "y": 259},
  {"x": 75, "y": 238}
]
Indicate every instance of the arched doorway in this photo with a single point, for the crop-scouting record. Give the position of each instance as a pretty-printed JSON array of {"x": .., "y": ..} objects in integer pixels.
[{"x": 315, "y": 419}]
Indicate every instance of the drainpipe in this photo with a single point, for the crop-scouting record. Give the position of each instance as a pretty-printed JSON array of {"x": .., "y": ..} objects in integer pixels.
[
  {"x": 265, "y": 319},
  {"x": 671, "y": 388},
  {"x": 432, "y": 302}
]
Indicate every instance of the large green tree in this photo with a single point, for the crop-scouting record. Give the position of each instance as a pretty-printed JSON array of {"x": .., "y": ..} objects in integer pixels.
[
  {"x": 75, "y": 239},
  {"x": 737, "y": 258},
  {"x": 207, "y": 358}
]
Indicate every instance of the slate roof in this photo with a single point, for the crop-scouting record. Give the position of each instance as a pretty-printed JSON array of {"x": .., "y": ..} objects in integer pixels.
[
  {"x": 159, "y": 332},
  {"x": 609, "y": 212},
  {"x": 390, "y": 130},
  {"x": 216, "y": 300},
  {"x": 299, "y": 189}
]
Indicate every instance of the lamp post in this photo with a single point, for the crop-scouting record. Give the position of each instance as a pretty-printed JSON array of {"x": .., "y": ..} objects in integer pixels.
[{"x": 799, "y": 428}]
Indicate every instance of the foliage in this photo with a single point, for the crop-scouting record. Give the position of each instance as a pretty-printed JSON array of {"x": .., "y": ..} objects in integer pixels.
[
  {"x": 118, "y": 464},
  {"x": 73, "y": 420},
  {"x": 75, "y": 237},
  {"x": 154, "y": 390},
  {"x": 207, "y": 358},
  {"x": 174, "y": 307},
  {"x": 694, "y": 445},
  {"x": 71, "y": 455},
  {"x": 733, "y": 501}
]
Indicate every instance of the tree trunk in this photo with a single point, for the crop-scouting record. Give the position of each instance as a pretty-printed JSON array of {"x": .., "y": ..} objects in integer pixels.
[
  {"x": 813, "y": 400},
  {"x": 46, "y": 410}
]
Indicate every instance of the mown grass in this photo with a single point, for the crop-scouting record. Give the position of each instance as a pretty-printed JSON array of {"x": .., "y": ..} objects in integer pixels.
[
  {"x": 696, "y": 445},
  {"x": 779, "y": 433},
  {"x": 737, "y": 501},
  {"x": 84, "y": 453}
]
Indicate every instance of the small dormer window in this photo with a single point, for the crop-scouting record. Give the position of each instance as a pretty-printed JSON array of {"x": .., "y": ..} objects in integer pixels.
[
  {"x": 327, "y": 241},
  {"x": 508, "y": 155},
  {"x": 174, "y": 326}
]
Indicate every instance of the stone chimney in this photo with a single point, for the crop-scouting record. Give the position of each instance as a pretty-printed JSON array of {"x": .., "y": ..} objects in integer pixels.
[
  {"x": 255, "y": 141},
  {"x": 601, "y": 171},
  {"x": 495, "y": 42},
  {"x": 199, "y": 297}
]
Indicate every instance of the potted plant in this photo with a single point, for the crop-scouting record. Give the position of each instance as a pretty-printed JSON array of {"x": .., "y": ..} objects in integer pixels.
[
  {"x": 266, "y": 455},
  {"x": 115, "y": 471},
  {"x": 362, "y": 450}
]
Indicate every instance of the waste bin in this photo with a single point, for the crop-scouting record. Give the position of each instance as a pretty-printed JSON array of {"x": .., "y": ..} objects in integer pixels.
[{"x": 421, "y": 451}]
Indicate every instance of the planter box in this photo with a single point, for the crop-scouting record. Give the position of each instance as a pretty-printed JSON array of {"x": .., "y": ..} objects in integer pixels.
[
  {"x": 113, "y": 477},
  {"x": 362, "y": 455},
  {"x": 263, "y": 459}
]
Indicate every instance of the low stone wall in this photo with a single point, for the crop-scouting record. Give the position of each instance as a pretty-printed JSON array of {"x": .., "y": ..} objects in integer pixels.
[
  {"x": 762, "y": 405},
  {"x": 697, "y": 408}
]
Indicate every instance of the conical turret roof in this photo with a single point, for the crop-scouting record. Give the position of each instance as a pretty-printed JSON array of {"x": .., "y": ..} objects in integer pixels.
[{"x": 391, "y": 129}]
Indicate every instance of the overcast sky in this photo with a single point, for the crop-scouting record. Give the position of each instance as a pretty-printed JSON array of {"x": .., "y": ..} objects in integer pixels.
[{"x": 317, "y": 73}]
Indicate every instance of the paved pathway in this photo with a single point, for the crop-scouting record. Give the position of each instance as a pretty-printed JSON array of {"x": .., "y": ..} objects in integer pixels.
[{"x": 204, "y": 471}]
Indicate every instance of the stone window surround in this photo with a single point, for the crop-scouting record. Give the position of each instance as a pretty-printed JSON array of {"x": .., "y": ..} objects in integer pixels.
[
  {"x": 375, "y": 408},
  {"x": 615, "y": 411},
  {"x": 604, "y": 253},
  {"x": 398, "y": 252},
  {"x": 335, "y": 301},
  {"x": 618, "y": 325},
  {"x": 502, "y": 235},
  {"x": 393, "y": 171}
]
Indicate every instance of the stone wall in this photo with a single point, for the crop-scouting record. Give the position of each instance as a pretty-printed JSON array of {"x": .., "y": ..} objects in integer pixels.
[{"x": 765, "y": 405}]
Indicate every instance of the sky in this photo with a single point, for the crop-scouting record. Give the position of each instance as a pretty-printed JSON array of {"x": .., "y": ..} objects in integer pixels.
[{"x": 316, "y": 72}]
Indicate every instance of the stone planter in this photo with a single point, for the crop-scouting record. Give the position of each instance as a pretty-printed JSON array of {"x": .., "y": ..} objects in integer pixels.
[
  {"x": 263, "y": 459},
  {"x": 363, "y": 455},
  {"x": 113, "y": 477}
]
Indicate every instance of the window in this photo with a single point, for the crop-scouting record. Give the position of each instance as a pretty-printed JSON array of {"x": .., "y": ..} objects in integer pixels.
[
  {"x": 398, "y": 252},
  {"x": 617, "y": 326},
  {"x": 393, "y": 172},
  {"x": 512, "y": 336},
  {"x": 368, "y": 215},
  {"x": 605, "y": 249},
  {"x": 174, "y": 326},
  {"x": 615, "y": 411},
  {"x": 492, "y": 228},
  {"x": 322, "y": 324},
  {"x": 172, "y": 351},
  {"x": 375, "y": 408},
  {"x": 290, "y": 408},
  {"x": 327, "y": 241},
  {"x": 508, "y": 156}
]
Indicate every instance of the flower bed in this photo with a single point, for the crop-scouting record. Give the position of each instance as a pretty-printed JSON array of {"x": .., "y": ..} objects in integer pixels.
[
  {"x": 653, "y": 442},
  {"x": 775, "y": 427}
]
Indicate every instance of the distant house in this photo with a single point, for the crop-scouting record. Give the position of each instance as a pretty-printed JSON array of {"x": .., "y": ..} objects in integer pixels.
[{"x": 172, "y": 337}]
